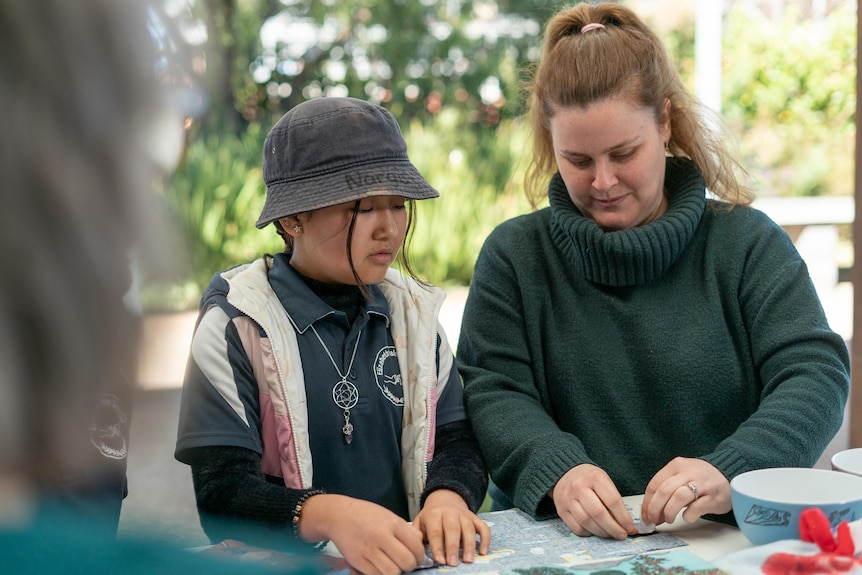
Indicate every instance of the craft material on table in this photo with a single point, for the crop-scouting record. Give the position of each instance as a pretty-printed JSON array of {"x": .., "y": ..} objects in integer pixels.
[{"x": 518, "y": 542}]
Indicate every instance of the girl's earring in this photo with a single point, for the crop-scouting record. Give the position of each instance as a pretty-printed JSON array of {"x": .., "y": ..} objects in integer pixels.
[{"x": 297, "y": 228}]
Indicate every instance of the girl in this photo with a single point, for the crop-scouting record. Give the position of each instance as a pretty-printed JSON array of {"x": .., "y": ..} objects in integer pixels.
[{"x": 321, "y": 400}]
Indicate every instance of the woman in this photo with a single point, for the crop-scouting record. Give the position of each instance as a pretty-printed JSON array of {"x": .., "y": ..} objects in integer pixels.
[{"x": 639, "y": 335}]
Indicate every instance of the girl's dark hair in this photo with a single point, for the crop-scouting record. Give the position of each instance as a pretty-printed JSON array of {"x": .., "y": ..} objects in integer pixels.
[{"x": 403, "y": 255}]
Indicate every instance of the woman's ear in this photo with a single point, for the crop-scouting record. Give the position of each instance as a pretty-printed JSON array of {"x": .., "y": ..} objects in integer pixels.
[{"x": 664, "y": 121}]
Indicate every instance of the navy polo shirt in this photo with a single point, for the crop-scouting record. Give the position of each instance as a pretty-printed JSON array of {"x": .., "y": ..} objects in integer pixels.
[{"x": 369, "y": 467}]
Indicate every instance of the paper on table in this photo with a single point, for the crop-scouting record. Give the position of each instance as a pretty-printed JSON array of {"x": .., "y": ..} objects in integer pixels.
[
  {"x": 707, "y": 539},
  {"x": 518, "y": 541}
]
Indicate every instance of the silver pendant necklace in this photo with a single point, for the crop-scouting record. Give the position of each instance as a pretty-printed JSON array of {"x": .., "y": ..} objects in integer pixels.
[{"x": 344, "y": 394}]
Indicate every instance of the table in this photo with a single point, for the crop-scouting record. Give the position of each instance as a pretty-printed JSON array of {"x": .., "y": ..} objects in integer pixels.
[
  {"x": 705, "y": 541},
  {"x": 520, "y": 544}
]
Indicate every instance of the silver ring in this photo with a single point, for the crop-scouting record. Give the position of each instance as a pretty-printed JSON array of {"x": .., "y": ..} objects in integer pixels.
[{"x": 693, "y": 488}]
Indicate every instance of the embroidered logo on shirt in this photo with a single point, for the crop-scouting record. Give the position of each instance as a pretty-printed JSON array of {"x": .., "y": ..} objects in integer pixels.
[{"x": 388, "y": 375}]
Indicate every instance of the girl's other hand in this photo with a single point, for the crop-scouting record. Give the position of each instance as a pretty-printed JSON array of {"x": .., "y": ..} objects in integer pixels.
[{"x": 448, "y": 524}]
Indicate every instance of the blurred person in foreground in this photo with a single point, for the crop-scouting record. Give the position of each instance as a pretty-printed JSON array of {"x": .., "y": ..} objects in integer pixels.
[
  {"x": 639, "y": 335},
  {"x": 81, "y": 146}
]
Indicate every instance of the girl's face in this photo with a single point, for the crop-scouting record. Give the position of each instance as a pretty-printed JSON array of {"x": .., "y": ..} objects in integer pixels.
[
  {"x": 320, "y": 248},
  {"x": 612, "y": 160}
]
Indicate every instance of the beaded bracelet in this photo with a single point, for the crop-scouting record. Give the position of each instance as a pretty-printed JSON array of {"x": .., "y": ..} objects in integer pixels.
[{"x": 296, "y": 512}]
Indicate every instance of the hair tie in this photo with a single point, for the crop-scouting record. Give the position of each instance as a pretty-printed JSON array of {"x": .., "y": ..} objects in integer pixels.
[{"x": 591, "y": 26}]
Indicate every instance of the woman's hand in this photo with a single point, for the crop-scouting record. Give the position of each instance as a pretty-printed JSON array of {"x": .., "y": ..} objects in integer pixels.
[
  {"x": 687, "y": 483},
  {"x": 372, "y": 539},
  {"x": 448, "y": 524},
  {"x": 589, "y": 503}
]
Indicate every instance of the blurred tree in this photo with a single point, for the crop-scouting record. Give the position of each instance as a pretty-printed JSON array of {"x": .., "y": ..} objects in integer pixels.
[
  {"x": 451, "y": 72},
  {"x": 789, "y": 93},
  {"x": 413, "y": 56}
]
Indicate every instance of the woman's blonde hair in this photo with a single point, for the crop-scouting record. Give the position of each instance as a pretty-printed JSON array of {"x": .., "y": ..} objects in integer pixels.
[{"x": 621, "y": 59}]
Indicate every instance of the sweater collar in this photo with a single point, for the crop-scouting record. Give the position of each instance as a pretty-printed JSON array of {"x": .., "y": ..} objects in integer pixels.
[
  {"x": 306, "y": 306},
  {"x": 634, "y": 256}
]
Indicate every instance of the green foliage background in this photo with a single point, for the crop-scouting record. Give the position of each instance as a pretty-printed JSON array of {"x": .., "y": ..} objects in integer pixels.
[
  {"x": 788, "y": 96},
  {"x": 218, "y": 193}
]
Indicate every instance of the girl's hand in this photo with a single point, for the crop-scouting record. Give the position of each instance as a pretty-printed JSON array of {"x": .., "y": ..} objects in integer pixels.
[
  {"x": 687, "y": 483},
  {"x": 589, "y": 503},
  {"x": 447, "y": 524},
  {"x": 372, "y": 539}
]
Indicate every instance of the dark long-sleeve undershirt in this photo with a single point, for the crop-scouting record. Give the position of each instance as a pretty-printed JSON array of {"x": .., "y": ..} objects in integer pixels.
[{"x": 236, "y": 500}]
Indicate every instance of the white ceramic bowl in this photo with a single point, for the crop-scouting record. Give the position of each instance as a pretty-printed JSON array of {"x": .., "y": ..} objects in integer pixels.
[
  {"x": 767, "y": 503},
  {"x": 848, "y": 461}
]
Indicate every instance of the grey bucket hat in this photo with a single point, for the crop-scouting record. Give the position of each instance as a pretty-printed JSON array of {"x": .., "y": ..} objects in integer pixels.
[{"x": 329, "y": 151}]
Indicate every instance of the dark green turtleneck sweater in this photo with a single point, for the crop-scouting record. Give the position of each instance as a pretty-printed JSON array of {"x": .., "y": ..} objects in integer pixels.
[{"x": 698, "y": 335}]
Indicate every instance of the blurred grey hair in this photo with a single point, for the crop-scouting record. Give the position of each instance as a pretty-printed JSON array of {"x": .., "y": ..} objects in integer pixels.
[{"x": 78, "y": 87}]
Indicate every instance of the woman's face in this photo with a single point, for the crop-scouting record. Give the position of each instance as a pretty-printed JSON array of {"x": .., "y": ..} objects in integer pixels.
[
  {"x": 611, "y": 156},
  {"x": 320, "y": 248}
]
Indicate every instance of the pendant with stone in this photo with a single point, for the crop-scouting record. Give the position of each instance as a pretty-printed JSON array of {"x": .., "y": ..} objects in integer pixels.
[
  {"x": 347, "y": 430},
  {"x": 345, "y": 395}
]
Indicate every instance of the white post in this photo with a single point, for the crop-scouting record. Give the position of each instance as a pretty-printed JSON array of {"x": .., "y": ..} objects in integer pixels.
[{"x": 707, "y": 52}]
